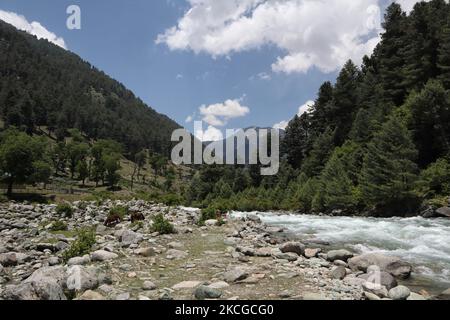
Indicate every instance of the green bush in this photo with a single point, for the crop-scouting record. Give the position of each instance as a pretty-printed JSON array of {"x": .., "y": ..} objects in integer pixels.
[
  {"x": 162, "y": 225},
  {"x": 119, "y": 211},
  {"x": 64, "y": 210},
  {"x": 81, "y": 246},
  {"x": 58, "y": 226}
]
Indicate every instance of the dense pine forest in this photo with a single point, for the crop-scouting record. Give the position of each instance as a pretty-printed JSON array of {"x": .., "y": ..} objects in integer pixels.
[
  {"x": 375, "y": 142},
  {"x": 42, "y": 85}
]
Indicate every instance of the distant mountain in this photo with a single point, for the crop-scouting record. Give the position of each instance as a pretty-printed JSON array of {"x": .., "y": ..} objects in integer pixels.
[
  {"x": 223, "y": 143},
  {"x": 43, "y": 85}
]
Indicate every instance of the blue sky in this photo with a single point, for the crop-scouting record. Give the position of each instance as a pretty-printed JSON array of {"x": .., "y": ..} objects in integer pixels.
[{"x": 205, "y": 61}]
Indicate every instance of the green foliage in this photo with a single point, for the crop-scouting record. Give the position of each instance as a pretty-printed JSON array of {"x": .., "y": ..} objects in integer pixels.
[
  {"x": 81, "y": 246},
  {"x": 119, "y": 211},
  {"x": 44, "y": 85},
  {"x": 435, "y": 180},
  {"x": 64, "y": 210},
  {"x": 389, "y": 172},
  {"x": 162, "y": 225},
  {"x": 21, "y": 158},
  {"x": 59, "y": 226}
]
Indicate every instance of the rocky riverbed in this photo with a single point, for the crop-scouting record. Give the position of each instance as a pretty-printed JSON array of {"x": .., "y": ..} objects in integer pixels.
[{"x": 242, "y": 259}]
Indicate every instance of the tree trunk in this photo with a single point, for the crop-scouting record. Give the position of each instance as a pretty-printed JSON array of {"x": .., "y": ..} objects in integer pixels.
[{"x": 10, "y": 187}]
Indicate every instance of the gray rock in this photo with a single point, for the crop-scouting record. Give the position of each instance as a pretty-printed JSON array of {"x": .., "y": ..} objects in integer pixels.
[
  {"x": 444, "y": 295},
  {"x": 8, "y": 259},
  {"x": 130, "y": 237},
  {"x": 204, "y": 292},
  {"x": 289, "y": 256},
  {"x": 43, "y": 284},
  {"x": 102, "y": 255},
  {"x": 371, "y": 296},
  {"x": 145, "y": 252},
  {"x": 123, "y": 296},
  {"x": 148, "y": 286},
  {"x": 443, "y": 212},
  {"x": 383, "y": 278},
  {"x": 186, "y": 285},
  {"x": 79, "y": 261},
  {"x": 393, "y": 265},
  {"x": 293, "y": 247},
  {"x": 416, "y": 297},
  {"x": 376, "y": 289},
  {"x": 211, "y": 223},
  {"x": 236, "y": 274},
  {"x": 174, "y": 254},
  {"x": 250, "y": 252},
  {"x": 339, "y": 273},
  {"x": 91, "y": 296},
  {"x": 312, "y": 253},
  {"x": 342, "y": 254},
  {"x": 53, "y": 261},
  {"x": 81, "y": 279},
  {"x": 399, "y": 293}
]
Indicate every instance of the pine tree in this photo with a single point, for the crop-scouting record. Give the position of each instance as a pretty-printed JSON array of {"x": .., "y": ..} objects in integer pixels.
[
  {"x": 444, "y": 55},
  {"x": 389, "y": 171},
  {"x": 320, "y": 153}
]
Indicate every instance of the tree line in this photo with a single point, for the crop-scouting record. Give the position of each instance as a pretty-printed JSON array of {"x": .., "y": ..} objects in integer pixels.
[{"x": 376, "y": 141}]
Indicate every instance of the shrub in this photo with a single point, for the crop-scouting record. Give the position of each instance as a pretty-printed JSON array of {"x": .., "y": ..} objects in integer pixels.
[
  {"x": 81, "y": 246},
  {"x": 162, "y": 225},
  {"x": 58, "y": 226},
  {"x": 120, "y": 211},
  {"x": 65, "y": 210}
]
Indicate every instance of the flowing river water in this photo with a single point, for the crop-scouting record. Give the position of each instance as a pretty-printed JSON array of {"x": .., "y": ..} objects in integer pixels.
[{"x": 425, "y": 243}]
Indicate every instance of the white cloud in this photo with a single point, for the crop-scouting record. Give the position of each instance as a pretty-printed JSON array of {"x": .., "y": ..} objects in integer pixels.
[
  {"x": 218, "y": 114},
  {"x": 281, "y": 125},
  {"x": 305, "y": 108},
  {"x": 313, "y": 33},
  {"x": 408, "y": 5},
  {"x": 34, "y": 28},
  {"x": 210, "y": 134},
  {"x": 179, "y": 76},
  {"x": 264, "y": 76},
  {"x": 189, "y": 119}
]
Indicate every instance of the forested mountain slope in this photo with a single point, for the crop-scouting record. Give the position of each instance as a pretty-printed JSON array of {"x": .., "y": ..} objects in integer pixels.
[{"x": 44, "y": 85}]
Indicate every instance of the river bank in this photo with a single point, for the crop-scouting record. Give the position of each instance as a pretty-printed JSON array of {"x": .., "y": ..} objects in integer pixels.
[{"x": 243, "y": 259}]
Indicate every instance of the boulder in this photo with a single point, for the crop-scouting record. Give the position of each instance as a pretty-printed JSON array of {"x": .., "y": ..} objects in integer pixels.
[
  {"x": 219, "y": 285},
  {"x": 382, "y": 278},
  {"x": 393, "y": 265},
  {"x": 293, "y": 247},
  {"x": 148, "y": 286},
  {"x": 44, "y": 284},
  {"x": 102, "y": 255},
  {"x": 289, "y": 256},
  {"x": 444, "y": 295},
  {"x": 205, "y": 292},
  {"x": 211, "y": 223},
  {"x": 79, "y": 261},
  {"x": 91, "y": 295},
  {"x": 371, "y": 296},
  {"x": 338, "y": 273},
  {"x": 8, "y": 259},
  {"x": 443, "y": 212},
  {"x": 247, "y": 251},
  {"x": 236, "y": 274},
  {"x": 145, "y": 252},
  {"x": 186, "y": 285},
  {"x": 342, "y": 254},
  {"x": 129, "y": 237},
  {"x": 415, "y": 297},
  {"x": 81, "y": 279},
  {"x": 312, "y": 253},
  {"x": 399, "y": 293}
]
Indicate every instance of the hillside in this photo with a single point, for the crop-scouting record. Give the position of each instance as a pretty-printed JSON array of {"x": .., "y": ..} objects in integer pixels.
[{"x": 44, "y": 85}]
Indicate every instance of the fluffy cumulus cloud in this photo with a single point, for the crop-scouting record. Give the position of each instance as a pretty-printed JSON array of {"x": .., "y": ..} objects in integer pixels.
[
  {"x": 281, "y": 125},
  {"x": 210, "y": 134},
  {"x": 218, "y": 114},
  {"x": 34, "y": 28},
  {"x": 305, "y": 108},
  {"x": 312, "y": 33}
]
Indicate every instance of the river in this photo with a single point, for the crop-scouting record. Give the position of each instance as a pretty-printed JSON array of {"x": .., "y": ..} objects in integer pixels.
[{"x": 425, "y": 243}]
